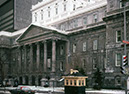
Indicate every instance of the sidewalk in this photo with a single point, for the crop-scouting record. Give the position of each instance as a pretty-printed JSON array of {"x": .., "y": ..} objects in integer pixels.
[
  {"x": 4, "y": 92},
  {"x": 60, "y": 90},
  {"x": 88, "y": 91}
]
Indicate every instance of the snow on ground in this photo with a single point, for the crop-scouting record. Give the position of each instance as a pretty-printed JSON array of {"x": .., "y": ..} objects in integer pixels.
[{"x": 61, "y": 89}]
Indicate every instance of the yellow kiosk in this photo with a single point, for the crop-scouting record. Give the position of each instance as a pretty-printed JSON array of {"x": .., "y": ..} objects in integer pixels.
[{"x": 75, "y": 83}]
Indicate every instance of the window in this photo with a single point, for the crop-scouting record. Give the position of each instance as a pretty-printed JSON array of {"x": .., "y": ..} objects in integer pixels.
[
  {"x": 74, "y": 82},
  {"x": 56, "y": 8},
  {"x": 67, "y": 82},
  {"x": 41, "y": 14},
  {"x": 70, "y": 82},
  {"x": 61, "y": 50},
  {"x": 79, "y": 82},
  {"x": 94, "y": 63},
  {"x": 64, "y": 7},
  {"x": 95, "y": 45},
  {"x": 121, "y": 4},
  {"x": 75, "y": 22},
  {"x": 83, "y": 82},
  {"x": 95, "y": 18},
  {"x": 84, "y": 46},
  {"x": 85, "y": 21},
  {"x": 118, "y": 36},
  {"x": 74, "y": 6},
  {"x": 117, "y": 80},
  {"x": 61, "y": 66},
  {"x": 48, "y": 11},
  {"x": 35, "y": 16},
  {"x": 74, "y": 48},
  {"x": 118, "y": 59}
]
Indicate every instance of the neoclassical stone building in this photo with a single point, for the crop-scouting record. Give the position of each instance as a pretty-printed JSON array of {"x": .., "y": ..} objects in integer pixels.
[{"x": 65, "y": 34}]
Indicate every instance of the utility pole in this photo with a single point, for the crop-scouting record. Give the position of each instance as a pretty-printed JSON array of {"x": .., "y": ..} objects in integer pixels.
[{"x": 125, "y": 52}]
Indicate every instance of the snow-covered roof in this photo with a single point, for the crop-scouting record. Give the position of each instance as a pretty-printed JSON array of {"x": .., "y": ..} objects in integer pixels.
[
  {"x": 50, "y": 27},
  {"x": 9, "y": 34}
]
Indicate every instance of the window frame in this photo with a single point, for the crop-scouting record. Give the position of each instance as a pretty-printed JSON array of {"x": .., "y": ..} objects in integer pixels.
[
  {"x": 95, "y": 18},
  {"x": 116, "y": 60},
  {"x": 118, "y": 36},
  {"x": 74, "y": 48},
  {"x": 84, "y": 46},
  {"x": 95, "y": 44},
  {"x": 85, "y": 21}
]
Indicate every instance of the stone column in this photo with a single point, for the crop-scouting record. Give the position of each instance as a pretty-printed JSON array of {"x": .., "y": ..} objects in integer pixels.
[
  {"x": 38, "y": 55},
  {"x": 53, "y": 55},
  {"x": 30, "y": 80},
  {"x": 31, "y": 58},
  {"x": 67, "y": 56},
  {"x": 45, "y": 56},
  {"x": 25, "y": 56},
  {"x": 23, "y": 80},
  {"x": 20, "y": 60}
]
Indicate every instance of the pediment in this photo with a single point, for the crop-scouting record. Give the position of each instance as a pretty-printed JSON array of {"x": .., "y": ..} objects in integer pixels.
[{"x": 33, "y": 31}]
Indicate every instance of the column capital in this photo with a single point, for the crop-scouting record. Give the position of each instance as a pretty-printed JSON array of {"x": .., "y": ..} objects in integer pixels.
[
  {"x": 37, "y": 43},
  {"x": 54, "y": 39},
  {"x": 44, "y": 41},
  {"x": 30, "y": 44}
]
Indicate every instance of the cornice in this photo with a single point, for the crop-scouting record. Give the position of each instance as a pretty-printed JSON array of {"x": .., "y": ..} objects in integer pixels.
[
  {"x": 39, "y": 5},
  {"x": 115, "y": 14}
]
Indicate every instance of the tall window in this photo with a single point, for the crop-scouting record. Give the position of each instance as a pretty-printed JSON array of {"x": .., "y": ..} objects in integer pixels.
[
  {"x": 48, "y": 11},
  {"x": 95, "y": 46},
  {"x": 121, "y": 4},
  {"x": 56, "y": 8},
  {"x": 64, "y": 7},
  {"x": 74, "y": 48},
  {"x": 95, "y": 18},
  {"x": 84, "y": 46},
  {"x": 74, "y": 6},
  {"x": 118, "y": 36},
  {"x": 41, "y": 14},
  {"x": 35, "y": 16},
  {"x": 118, "y": 59}
]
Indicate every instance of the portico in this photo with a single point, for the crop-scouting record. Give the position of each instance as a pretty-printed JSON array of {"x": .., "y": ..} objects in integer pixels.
[{"x": 39, "y": 54}]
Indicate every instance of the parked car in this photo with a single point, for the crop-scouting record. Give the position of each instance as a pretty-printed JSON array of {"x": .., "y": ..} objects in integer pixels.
[{"x": 22, "y": 90}]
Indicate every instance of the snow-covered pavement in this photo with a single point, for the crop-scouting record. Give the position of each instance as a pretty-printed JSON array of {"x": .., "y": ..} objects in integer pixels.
[{"x": 47, "y": 90}]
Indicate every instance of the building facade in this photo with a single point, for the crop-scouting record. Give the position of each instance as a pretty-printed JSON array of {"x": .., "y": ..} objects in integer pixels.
[
  {"x": 65, "y": 34},
  {"x": 12, "y": 14}
]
